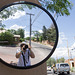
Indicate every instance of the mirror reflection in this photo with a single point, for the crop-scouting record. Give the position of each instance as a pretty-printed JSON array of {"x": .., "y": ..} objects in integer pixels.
[{"x": 27, "y": 35}]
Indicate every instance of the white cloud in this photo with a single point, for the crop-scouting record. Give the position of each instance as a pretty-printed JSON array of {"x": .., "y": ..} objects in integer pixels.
[
  {"x": 40, "y": 31},
  {"x": 73, "y": 46},
  {"x": 62, "y": 37},
  {"x": 15, "y": 26},
  {"x": 63, "y": 52},
  {"x": 60, "y": 52},
  {"x": 17, "y": 15},
  {"x": 72, "y": 50},
  {"x": 27, "y": 34}
]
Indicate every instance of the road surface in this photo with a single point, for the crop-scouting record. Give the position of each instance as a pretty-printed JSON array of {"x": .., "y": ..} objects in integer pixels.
[{"x": 40, "y": 51}]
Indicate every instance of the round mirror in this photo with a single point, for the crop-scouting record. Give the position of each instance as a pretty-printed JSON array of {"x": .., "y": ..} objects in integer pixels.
[{"x": 28, "y": 35}]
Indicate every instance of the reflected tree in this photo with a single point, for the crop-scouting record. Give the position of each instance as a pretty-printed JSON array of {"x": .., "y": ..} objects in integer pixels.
[{"x": 58, "y": 7}]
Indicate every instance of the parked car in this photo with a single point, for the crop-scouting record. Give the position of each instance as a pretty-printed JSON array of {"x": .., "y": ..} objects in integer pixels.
[
  {"x": 48, "y": 68},
  {"x": 61, "y": 68}
]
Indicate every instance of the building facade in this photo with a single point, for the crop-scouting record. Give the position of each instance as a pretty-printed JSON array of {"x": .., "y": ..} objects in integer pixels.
[{"x": 71, "y": 62}]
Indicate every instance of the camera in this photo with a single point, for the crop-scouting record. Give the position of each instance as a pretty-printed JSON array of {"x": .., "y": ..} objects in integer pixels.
[{"x": 26, "y": 46}]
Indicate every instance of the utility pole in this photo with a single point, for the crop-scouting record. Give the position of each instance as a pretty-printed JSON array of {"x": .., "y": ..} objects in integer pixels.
[
  {"x": 68, "y": 53},
  {"x": 56, "y": 59},
  {"x": 30, "y": 14},
  {"x": 68, "y": 50}
]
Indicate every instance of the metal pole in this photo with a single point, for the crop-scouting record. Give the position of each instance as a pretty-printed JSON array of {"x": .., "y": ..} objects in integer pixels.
[
  {"x": 30, "y": 31},
  {"x": 68, "y": 50},
  {"x": 68, "y": 53},
  {"x": 30, "y": 26}
]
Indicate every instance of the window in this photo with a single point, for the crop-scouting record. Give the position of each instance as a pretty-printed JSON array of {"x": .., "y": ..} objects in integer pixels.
[{"x": 61, "y": 65}]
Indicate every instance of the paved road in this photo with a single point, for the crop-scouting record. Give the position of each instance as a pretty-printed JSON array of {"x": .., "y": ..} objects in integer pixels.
[
  {"x": 51, "y": 73},
  {"x": 41, "y": 51}
]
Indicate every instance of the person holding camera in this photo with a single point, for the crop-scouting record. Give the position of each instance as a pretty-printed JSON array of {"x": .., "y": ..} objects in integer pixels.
[{"x": 23, "y": 54}]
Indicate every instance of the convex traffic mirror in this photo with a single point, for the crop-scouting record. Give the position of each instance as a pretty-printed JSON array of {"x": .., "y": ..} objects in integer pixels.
[{"x": 25, "y": 23}]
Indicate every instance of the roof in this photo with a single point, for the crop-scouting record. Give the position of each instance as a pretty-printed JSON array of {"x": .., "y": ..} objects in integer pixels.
[{"x": 16, "y": 35}]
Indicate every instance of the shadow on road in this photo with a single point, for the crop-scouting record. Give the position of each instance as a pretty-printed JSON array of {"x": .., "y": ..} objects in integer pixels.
[{"x": 64, "y": 74}]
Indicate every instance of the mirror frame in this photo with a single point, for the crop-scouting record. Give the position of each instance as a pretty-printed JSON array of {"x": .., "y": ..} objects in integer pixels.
[{"x": 56, "y": 42}]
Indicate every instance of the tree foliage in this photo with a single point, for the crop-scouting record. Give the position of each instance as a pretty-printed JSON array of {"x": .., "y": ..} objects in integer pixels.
[
  {"x": 20, "y": 32},
  {"x": 7, "y": 12},
  {"x": 44, "y": 34},
  {"x": 48, "y": 34},
  {"x": 7, "y": 36},
  {"x": 36, "y": 34},
  {"x": 17, "y": 32},
  {"x": 51, "y": 34},
  {"x": 60, "y": 7},
  {"x": 27, "y": 38},
  {"x": 61, "y": 60},
  {"x": 51, "y": 61},
  {"x": 2, "y": 26}
]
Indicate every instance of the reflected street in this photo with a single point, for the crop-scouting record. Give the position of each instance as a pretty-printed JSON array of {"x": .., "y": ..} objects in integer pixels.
[{"x": 41, "y": 52}]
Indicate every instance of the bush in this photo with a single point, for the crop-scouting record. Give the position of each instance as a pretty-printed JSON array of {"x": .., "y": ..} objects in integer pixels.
[
  {"x": 27, "y": 38},
  {"x": 22, "y": 39},
  {"x": 40, "y": 38},
  {"x": 33, "y": 38},
  {"x": 73, "y": 69},
  {"x": 7, "y": 36}
]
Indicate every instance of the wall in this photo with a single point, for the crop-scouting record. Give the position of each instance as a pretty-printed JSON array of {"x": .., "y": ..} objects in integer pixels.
[
  {"x": 40, "y": 70},
  {"x": 4, "y": 70},
  {"x": 5, "y": 2},
  {"x": 70, "y": 62},
  {"x": 74, "y": 61}
]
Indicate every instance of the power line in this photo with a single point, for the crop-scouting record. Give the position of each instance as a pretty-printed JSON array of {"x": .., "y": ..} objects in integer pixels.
[{"x": 37, "y": 16}]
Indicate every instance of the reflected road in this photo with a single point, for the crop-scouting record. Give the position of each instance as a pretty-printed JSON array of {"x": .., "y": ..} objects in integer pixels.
[{"x": 40, "y": 51}]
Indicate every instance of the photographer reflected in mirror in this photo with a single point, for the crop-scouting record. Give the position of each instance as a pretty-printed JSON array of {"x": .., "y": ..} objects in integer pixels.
[{"x": 23, "y": 54}]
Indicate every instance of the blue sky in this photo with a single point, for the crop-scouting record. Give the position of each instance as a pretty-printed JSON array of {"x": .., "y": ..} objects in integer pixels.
[
  {"x": 22, "y": 20},
  {"x": 66, "y": 27}
]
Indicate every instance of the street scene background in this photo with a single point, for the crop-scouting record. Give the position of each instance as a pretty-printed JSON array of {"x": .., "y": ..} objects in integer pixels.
[{"x": 43, "y": 33}]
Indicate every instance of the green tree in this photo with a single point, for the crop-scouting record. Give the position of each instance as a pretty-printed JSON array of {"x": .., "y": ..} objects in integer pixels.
[
  {"x": 40, "y": 38},
  {"x": 61, "y": 60},
  {"x": 51, "y": 61},
  {"x": 36, "y": 34},
  {"x": 22, "y": 39},
  {"x": 33, "y": 38},
  {"x": 44, "y": 34},
  {"x": 27, "y": 38},
  {"x": 20, "y": 32},
  {"x": 2, "y": 26},
  {"x": 7, "y": 12},
  {"x": 7, "y": 36},
  {"x": 51, "y": 34},
  {"x": 17, "y": 32},
  {"x": 58, "y": 7},
  {"x": 12, "y": 31}
]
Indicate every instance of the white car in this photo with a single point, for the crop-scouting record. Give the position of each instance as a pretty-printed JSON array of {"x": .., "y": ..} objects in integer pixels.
[
  {"x": 61, "y": 68},
  {"x": 48, "y": 68}
]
